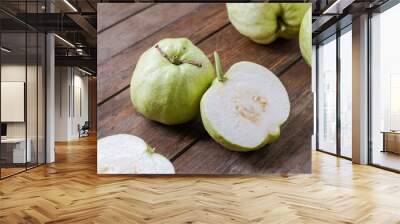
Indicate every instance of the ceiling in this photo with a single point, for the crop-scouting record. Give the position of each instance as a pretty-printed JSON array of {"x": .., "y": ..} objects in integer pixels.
[
  {"x": 331, "y": 15},
  {"x": 74, "y": 22}
]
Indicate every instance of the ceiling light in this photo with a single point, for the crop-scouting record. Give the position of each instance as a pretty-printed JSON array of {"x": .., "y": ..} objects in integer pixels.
[
  {"x": 65, "y": 41},
  {"x": 84, "y": 71},
  {"x": 70, "y": 5},
  {"x": 5, "y": 50},
  {"x": 337, "y": 7}
]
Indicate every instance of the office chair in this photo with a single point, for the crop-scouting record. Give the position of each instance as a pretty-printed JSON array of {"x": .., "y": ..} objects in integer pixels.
[{"x": 84, "y": 130}]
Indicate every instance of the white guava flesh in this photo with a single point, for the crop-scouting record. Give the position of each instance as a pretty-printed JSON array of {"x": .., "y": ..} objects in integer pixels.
[
  {"x": 128, "y": 154},
  {"x": 244, "y": 110}
]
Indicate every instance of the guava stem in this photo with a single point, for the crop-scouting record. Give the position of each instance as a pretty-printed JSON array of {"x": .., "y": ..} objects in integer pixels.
[
  {"x": 150, "y": 150},
  {"x": 282, "y": 25},
  {"x": 176, "y": 60},
  {"x": 283, "y": 28},
  {"x": 218, "y": 67}
]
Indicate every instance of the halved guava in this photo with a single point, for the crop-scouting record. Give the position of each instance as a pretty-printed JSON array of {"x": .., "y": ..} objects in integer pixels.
[
  {"x": 128, "y": 154},
  {"x": 244, "y": 108}
]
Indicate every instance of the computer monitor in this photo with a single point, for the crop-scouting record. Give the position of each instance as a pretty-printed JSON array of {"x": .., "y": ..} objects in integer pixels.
[{"x": 3, "y": 129}]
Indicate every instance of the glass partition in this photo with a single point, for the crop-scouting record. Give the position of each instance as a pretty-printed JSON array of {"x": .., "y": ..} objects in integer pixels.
[
  {"x": 31, "y": 99},
  {"x": 23, "y": 89},
  {"x": 346, "y": 92},
  {"x": 327, "y": 96},
  {"x": 13, "y": 94},
  {"x": 385, "y": 90},
  {"x": 41, "y": 107}
]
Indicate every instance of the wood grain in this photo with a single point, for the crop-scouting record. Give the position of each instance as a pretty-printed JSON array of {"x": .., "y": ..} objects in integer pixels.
[
  {"x": 115, "y": 73},
  {"x": 118, "y": 116},
  {"x": 125, "y": 34},
  {"x": 70, "y": 191},
  {"x": 112, "y": 13},
  {"x": 188, "y": 145}
]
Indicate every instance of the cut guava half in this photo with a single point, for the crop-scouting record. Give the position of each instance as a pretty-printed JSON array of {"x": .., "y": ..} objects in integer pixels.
[
  {"x": 245, "y": 107},
  {"x": 129, "y": 154}
]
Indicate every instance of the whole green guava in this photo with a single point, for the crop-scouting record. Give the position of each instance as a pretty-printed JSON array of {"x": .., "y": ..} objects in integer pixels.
[
  {"x": 265, "y": 22},
  {"x": 169, "y": 80},
  {"x": 305, "y": 37}
]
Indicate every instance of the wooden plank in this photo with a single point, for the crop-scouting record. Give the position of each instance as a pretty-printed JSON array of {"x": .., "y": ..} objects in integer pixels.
[
  {"x": 125, "y": 34},
  {"x": 292, "y": 153},
  {"x": 114, "y": 74},
  {"x": 234, "y": 47},
  {"x": 118, "y": 116},
  {"x": 110, "y": 14}
]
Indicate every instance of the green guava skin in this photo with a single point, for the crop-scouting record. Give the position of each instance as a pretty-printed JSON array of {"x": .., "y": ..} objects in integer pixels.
[
  {"x": 265, "y": 22},
  {"x": 166, "y": 92},
  {"x": 305, "y": 37},
  {"x": 270, "y": 138}
]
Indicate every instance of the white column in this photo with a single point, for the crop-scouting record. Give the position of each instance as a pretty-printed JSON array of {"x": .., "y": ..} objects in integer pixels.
[
  {"x": 360, "y": 90},
  {"x": 314, "y": 91},
  {"x": 50, "y": 93}
]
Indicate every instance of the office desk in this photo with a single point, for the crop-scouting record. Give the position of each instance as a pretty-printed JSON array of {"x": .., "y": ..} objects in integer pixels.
[{"x": 16, "y": 147}]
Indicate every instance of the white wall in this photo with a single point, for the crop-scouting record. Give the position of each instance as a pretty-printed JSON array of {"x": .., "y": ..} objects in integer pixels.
[
  {"x": 15, "y": 72},
  {"x": 33, "y": 126},
  {"x": 80, "y": 101},
  {"x": 71, "y": 94},
  {"x": 62, "y": 81}
]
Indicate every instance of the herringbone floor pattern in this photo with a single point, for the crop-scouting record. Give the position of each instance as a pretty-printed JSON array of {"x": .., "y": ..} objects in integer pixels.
[{"x": 69, "y": 191}]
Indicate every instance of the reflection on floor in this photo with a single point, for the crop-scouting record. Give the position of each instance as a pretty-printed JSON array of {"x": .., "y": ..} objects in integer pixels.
[
  {"x": 387, "y": 159},
  {"x": 11, "y": 169},
  {"x": 70, "y": 191}
]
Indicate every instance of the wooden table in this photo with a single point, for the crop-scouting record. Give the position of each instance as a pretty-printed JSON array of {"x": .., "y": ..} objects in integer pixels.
[
  {"x": 391, "y": 141},
  {"x": 125, "y": 31}
]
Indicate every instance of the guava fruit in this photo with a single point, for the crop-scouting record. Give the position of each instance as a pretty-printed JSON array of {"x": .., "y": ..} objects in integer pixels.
[
  {"x": 128, "y": 154},
  {"x": 245, "y": 107},
  {"x": 265, "y": 22},
  {"x": 305, "y": 37},
  {"x": 169, "y": 80}
]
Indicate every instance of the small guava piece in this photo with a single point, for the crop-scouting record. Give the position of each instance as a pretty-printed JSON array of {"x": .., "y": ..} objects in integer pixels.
[
  {"x": 244, "y": 108},
  {"x": 129, "y": 154}
]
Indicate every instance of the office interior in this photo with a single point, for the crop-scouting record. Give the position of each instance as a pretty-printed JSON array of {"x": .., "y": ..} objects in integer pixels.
[
  {"x": 48, "y": 76},
  {"x": 356, "y": 78},
  {"x": 48, "y": 79},
  {"x": 356, "y": 92}
]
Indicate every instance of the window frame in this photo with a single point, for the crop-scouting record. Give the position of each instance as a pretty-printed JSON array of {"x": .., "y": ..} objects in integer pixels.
[{"x": 333, "y": 37}]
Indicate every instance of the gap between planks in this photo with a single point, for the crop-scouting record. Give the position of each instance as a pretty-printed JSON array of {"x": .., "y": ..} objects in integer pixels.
[{"x": 125, "y": 17}]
